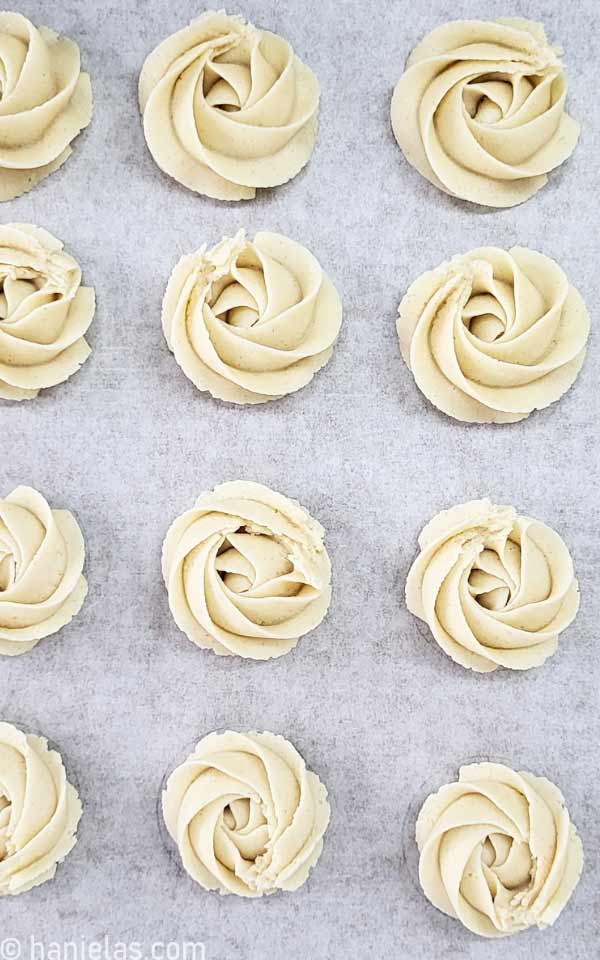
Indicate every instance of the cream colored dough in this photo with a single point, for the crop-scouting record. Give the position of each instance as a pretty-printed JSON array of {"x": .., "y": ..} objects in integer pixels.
[
  {"x": 498, "y": 850},
  {"x": 228, "y": 108},
  {"x": 45, "y": 101},
  {"x": 480, "y": 110},
  {"x": 39, "y": 811},
  {"x": 44, "y": 312},
  {"x": 247, "y": 816},
  {"x": 493, "y": 334},
  {"x": 41, "y": 560},
  {"x": 251, "y": 320},
  {"x": 246, "y": 571},
  {"x": 495, "y": 588}
]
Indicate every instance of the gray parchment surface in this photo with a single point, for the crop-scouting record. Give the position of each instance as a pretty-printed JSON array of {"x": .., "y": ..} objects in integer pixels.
[{"x": 373, "y": 705}]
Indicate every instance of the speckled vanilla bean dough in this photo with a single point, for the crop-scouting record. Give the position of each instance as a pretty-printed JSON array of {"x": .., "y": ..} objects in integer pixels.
[
  {"x": 39, "y": 811},
  {"x": 480, "y": 110},
  {"x": 41, "y": 563},
  {"x": 228, "y": 108},
  {"x": 246, "y": 571},
  {"x": 498, "y": 850},
  {"x": 495, "y": 588},
  {"x": 493, "y": 334},
  {"x": 44, "y": 312},
  {"x": 45, "y": 101},
  {"x": 247, "y": 816},
  {"x": 251, "y": 320}
]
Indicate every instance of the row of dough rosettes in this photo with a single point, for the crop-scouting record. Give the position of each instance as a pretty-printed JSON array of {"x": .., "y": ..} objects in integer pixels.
[
  {"x": 247, "y": 573},
  {"x": 229, "y": 108},
  {"x": 497, "y": 848},
  {"x": 489, "y": 336}
]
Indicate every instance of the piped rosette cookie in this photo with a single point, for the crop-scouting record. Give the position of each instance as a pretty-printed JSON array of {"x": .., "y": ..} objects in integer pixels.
[
  {"x": 247, "y": 815},
  {"x": 246, "y": 571},
  {"x": 251, "y": 320},
  {"x": 228, "y": 108},
  {"x": 495, "y": 588}
]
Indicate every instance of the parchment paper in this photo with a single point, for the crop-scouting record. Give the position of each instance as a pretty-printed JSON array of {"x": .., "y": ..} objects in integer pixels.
[{"x": 376, "y": 709}]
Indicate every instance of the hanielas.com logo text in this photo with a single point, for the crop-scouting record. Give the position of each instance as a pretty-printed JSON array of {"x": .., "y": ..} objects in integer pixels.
[{"x": 11, "y": 948}]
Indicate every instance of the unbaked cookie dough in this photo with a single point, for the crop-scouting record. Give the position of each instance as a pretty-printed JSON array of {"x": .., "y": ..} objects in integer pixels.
[
  {"x": 480, "y": 110},
  {"x": 247, "y": 816},
  {"x": 41, "y": 563},
  {"x": 228, "y": 108},
  {"x": 498, "y": 850},
  {"x": 39, "y": 811},
  {"x": 45, "y": 101},
  {"x": 493, "y": 334},
  {"x": 251, "y": 320},
  {"x": 495, "y": 588},
  {"x": 44, "y": 312},
  {"x": 246, "y": 571}
]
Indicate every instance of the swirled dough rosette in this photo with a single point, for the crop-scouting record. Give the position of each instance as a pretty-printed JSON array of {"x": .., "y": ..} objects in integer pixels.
[
  {"x": 247, "y": 816},
  {"x": 41, "y": 560},
  {"x": 228, "y": 108},
  {"x": 39, "y": 811},
  {"x": 495, "y": 588},
  {"x": 498, "y": 850},
  {"x": 246, "y": 571},
  {"x": 493, "y": 334},
  {"x": 251, "y": 320},
  {"x": 480, "y": 110},
  {"x": 44, "y": 312},
  {"x": 45, "y": 101}
]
